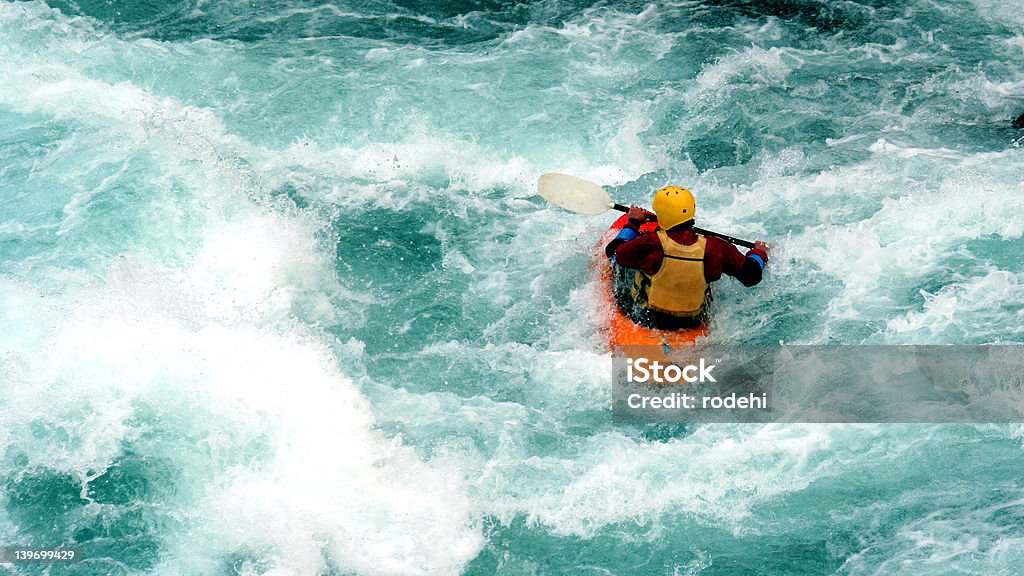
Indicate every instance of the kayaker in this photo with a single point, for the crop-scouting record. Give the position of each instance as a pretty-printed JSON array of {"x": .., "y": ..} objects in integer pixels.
[{"x": 669, "y": 270}]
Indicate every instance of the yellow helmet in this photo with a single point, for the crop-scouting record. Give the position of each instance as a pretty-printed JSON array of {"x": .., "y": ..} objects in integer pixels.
[{"x": 674, "y": 205}]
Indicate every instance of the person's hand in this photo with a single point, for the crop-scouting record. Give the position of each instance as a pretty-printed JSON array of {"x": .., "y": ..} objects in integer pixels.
[
  {"x": 758, "y": 245},
  {"x": 641, "y": 214},
  {"x": 637, "y": 213}
]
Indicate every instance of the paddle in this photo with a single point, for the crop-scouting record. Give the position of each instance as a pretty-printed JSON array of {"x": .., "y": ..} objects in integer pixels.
[{"x": 584, "y": 197}]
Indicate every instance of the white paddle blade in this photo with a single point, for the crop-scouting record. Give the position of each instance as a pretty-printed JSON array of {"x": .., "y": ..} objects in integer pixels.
[{"x": 574, "y": 194}]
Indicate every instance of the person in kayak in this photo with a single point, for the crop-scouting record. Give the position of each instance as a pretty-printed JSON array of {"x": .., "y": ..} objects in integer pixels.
[{"x": 663, "y": 277}]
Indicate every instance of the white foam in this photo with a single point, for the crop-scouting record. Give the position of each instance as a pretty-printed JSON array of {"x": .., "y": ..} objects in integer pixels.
[
  {"x": 319, "y": 478},
  {"x": 389, "y": 168},
  {"x": 274, "y": 446},
  {"x": 976, "y": 308},
  {"x": 1003, "y": 13},
  {"x": 951, "y": 538},
  {"x": 882, "y": 225},
  {"x": 718, "y": 477},
  {"x": 753, "y": 65}
]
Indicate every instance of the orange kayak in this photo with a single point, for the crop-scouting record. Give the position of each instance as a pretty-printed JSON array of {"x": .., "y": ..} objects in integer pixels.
[{"x": 619, "y": 329}]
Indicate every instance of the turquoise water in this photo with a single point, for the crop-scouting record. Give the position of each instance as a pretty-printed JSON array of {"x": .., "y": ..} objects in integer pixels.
[{"x": 277, "y": 297}]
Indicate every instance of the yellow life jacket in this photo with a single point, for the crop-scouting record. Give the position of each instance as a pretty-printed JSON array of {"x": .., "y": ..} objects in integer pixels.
[{"x": 678, "y": 287}]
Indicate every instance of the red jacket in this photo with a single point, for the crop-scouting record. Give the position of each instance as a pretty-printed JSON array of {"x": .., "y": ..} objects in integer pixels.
[{"x": 644, "y": 253}]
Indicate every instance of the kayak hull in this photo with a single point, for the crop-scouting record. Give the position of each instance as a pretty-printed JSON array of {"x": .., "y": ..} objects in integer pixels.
[{"x": 620, "y": 331}]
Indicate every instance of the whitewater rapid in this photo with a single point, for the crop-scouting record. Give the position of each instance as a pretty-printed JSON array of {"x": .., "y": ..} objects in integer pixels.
[{"x": 277, "y": 297}]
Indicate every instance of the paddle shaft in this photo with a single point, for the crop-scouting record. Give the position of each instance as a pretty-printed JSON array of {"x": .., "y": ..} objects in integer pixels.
[{"x": 727, "y": 238}]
